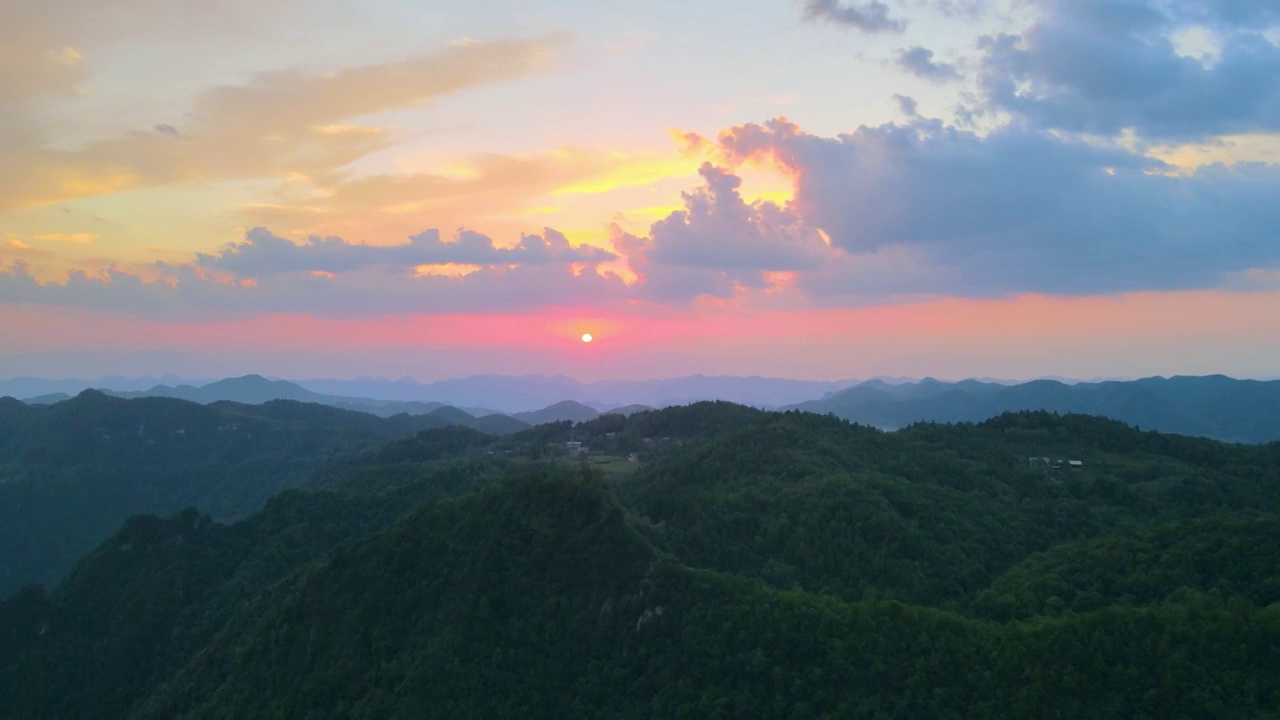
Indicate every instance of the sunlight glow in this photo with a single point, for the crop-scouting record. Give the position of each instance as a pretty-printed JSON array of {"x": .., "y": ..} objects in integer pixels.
[{"x": 445, "y": 270}]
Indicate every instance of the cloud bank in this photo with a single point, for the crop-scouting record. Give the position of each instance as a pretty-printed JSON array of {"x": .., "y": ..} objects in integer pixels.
[
  {"x": 1056, "y": 195},
  {"x": 263, "y": 254},
  {"x": 879, "y": 214},
  {"x": 280, "y": 123},
  {"x": 1017, "y": 210}
]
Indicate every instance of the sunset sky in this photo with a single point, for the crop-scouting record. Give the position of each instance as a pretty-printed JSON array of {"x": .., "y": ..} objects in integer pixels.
[{"x": 814, "y": 189}]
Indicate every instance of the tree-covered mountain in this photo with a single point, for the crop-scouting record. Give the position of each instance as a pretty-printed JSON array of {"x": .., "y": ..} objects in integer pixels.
[
  {"x": 753, "y": 565},
  {"x": 70, "y": 473},
  {"x": 1213, "y": 406},
  {"x": 255, "y": 390},
  {"x": 498, "y": 424},
  {"x": 49, "y": 399},
  {"x": 559, "y": 412}
]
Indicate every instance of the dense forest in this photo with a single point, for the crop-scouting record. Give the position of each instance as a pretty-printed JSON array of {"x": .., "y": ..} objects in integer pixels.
[
  {"x": 708, "y": 561},
  {"x": 71, "y": 473}
]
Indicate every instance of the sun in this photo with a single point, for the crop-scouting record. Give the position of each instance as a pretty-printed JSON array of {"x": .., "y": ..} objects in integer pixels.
[{"x": 586, "y": 337}]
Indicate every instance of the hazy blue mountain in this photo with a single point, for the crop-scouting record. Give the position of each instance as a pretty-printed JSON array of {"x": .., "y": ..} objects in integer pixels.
[
  {"x": 755, "y": 391},
  {"x": 28, "y": 387},
  {"x": 1213, "y": 406},
  {"x": 559, "y": 412},
  {"x": 248, "y": 389},
  {"x": 255, "y": 390},
  {"x": 403, "y": 389},
  {"x": 522, "y": 393},
  {"x": 628, "y": 410},
  {"x": 499, "y": 424},
  {"x": 453, "y": 415},
  {"x": 382, "y": 408},
  {"x": 503, "y": 393},
  {"x": 49, "y": 399},
  {"x": 476, "y": 395}
]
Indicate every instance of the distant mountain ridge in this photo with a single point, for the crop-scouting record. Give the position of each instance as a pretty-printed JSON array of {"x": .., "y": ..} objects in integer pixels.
[
  {"x": 477, "y": 395},
  {"x": 248, "y": 389},
  {"x": 1212, "y": 406},
  {"x": 257, "y": 390},
  {"x": 559, "y": 412},
  {"x": 523, "y": 393},
  {"x": 24, "y": 388}
]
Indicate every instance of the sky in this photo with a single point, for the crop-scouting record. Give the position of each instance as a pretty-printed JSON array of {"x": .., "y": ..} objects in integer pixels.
[{"x": 819, "y": 189}]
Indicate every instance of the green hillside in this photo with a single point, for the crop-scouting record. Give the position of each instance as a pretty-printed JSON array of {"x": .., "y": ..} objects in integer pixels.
[
  {"x": 71, "y": 473},
  {"x": 753, "y": 565}
]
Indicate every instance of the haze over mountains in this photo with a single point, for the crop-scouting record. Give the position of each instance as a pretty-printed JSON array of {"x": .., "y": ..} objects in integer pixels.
[
  {"x": 498, "y": 393},
  {"x": 1212, "y": 406}
]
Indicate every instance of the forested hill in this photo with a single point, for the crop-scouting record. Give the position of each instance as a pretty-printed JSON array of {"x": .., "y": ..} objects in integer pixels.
[
  {"x": 70, "y": 473},
  {"x": 749, "y": 565},
  {"x": 1214, "y": 406}
]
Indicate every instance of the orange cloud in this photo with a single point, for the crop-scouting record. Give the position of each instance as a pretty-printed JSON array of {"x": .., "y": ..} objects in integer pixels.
[
  {"x": 632, "y": 171},
  {"x": 73, "y": 238},
  {"x": 279, "y": 124},
  {"x": 1229, "y": 150},
  {"x": 446, "y": 270},
  {"x": 477, "y": 190}
]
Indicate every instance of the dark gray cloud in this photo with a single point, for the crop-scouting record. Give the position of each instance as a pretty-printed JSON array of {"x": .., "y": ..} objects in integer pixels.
[
  {"x": 262, "y": 253},
  {"x": 919, "y": 62},
  {"x": 935, "y": 209},
  {"x": 1103, "y": 66},
  {"x": 907, "y": 105},
  {"x": 870, "y": 17}
]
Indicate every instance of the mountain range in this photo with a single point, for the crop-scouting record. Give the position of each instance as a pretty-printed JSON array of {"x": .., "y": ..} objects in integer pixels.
[
  {"x": 1211, "y": 406},
  {"x": 752, "y": 564},
  {"x": 477, "y": 394}
]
